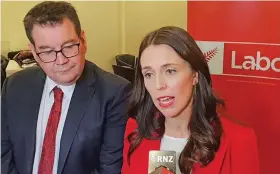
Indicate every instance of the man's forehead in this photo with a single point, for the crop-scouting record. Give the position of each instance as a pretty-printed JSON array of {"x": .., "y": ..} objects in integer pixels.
[{"x": 54, "y": 36}]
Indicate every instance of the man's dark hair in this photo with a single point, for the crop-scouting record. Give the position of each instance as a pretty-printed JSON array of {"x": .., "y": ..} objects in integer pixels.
[{"x": 50, "y": 13}]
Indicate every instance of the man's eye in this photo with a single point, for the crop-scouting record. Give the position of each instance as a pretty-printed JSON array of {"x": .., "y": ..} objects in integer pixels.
[
  {"x": 70, "y": 46},
  {"x": 47, "y": 52}
]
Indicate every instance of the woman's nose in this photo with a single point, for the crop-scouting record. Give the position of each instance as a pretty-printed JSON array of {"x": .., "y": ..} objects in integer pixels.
[{"x": 160, "y": 83}]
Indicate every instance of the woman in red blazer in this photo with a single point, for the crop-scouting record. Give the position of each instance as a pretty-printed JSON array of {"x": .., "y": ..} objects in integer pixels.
[{"x": 174, "y": 109}]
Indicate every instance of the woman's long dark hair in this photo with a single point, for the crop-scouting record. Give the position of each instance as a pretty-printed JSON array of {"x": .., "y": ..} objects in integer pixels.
[{"x": 205, "y": 126}]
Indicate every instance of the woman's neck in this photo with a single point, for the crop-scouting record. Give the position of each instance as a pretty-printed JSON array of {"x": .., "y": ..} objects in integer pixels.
[{"x": 178, "y": 126}]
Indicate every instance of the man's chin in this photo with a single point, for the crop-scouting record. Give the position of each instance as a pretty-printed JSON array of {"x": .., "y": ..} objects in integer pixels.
[
  {"x": 65, "y": 80},
  {"x": 64, "y": 71}
]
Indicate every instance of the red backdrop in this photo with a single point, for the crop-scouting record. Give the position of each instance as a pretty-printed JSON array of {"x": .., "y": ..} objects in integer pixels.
[{"x": 245, "y": 32}]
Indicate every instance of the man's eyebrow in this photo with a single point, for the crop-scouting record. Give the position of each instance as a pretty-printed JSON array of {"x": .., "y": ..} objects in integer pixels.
[
  {"x": 45, "y": 47},
  {"x": 68, "y": 41},
  {"x": 49, "y": 47}
]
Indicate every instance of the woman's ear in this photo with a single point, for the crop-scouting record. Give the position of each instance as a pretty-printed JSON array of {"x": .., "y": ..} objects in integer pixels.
[{"x": 195, "y": 78}]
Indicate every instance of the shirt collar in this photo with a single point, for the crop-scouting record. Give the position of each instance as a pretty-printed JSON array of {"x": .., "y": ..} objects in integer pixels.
[{"x": 67, "y": 90}]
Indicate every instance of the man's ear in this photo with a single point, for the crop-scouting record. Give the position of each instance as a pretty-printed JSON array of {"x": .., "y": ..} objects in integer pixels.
[
  {"x": 195, "y": 78},
  {"x": 83, "y": 39},
  {"x": 33, "y": 50}
]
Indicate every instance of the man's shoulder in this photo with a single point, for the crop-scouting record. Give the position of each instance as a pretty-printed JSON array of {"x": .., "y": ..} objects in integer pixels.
[{"x": 25, "y": 76}]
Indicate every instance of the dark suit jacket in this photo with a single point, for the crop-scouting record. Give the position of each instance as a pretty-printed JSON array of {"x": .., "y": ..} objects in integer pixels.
[
  {"x": 92, "y": 138},
  {"x": 238, "y": 152}
]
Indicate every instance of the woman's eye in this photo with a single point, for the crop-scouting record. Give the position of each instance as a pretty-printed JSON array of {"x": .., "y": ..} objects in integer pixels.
[
  {"x": 147, "y": 75},
  {"x": 171, "y": 71}
]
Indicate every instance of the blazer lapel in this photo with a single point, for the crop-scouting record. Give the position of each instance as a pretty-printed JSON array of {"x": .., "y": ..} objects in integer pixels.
[
  {"x": 147, "y": 145},
  {"x": 216, "y": 165},
  {"x": 82, "y": 94},
  {"x": 152, "y": 145},
  {"x": 141, "y": 155},
  {"x": 32, "y": 110}
]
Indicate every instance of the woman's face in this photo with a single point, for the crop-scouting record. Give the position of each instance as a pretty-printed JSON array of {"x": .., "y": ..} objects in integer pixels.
[{"x": 168, "y": 78}]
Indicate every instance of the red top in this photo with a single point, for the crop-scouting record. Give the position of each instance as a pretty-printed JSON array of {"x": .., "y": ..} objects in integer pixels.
[{"x": 238, "y": 152}]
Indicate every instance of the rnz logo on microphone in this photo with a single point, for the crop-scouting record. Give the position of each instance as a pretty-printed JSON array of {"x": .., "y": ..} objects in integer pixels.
[
  {"x": 163, "y": 162},
  {"x": 163, "y": 159}
]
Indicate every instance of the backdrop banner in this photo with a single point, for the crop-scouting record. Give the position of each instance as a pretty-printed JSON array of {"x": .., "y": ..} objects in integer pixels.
[{"x": 241, "y": 42}]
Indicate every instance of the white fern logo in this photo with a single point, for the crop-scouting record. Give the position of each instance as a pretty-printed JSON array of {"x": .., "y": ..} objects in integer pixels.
[{"x": 210, "y": 54}]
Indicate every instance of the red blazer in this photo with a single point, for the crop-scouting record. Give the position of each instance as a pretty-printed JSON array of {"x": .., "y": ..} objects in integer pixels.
[{"x": 238, "y": 152}]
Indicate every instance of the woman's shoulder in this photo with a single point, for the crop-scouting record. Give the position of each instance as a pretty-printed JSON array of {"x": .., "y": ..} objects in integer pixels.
[
  {"x": 234, "y": 129},
  {"x": 242, "y": 141},
  {"x": 131, "y": 125}
]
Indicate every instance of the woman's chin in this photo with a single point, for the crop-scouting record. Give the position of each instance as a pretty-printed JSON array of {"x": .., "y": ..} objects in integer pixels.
[{"x": 168, "y": 113}]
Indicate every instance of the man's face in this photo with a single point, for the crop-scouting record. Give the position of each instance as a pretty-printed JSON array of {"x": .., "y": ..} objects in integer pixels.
[{"x": 68, "y": 64}]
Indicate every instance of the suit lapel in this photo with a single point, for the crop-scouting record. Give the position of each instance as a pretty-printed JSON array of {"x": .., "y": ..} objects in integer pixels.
[
  {"x": 32, "y": 110},
  {"x": 82, "y": 95}
]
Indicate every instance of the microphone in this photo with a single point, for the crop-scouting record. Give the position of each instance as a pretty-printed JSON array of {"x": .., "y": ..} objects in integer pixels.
[{"x": 162, "y": 162}]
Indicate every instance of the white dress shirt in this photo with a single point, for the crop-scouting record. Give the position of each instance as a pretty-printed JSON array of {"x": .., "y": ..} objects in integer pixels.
[
  {"x": 44, "y": 111},
  {"x": 173, "y": 144}
]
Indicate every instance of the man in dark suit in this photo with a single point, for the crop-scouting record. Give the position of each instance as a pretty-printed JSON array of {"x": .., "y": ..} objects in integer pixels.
[
  {"x": 68, "y": 115},
  {"x": 4, "y": 64}
]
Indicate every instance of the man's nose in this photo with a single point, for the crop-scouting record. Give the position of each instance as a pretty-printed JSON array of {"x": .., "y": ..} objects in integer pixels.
[{"x": 61, "y": 59}]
